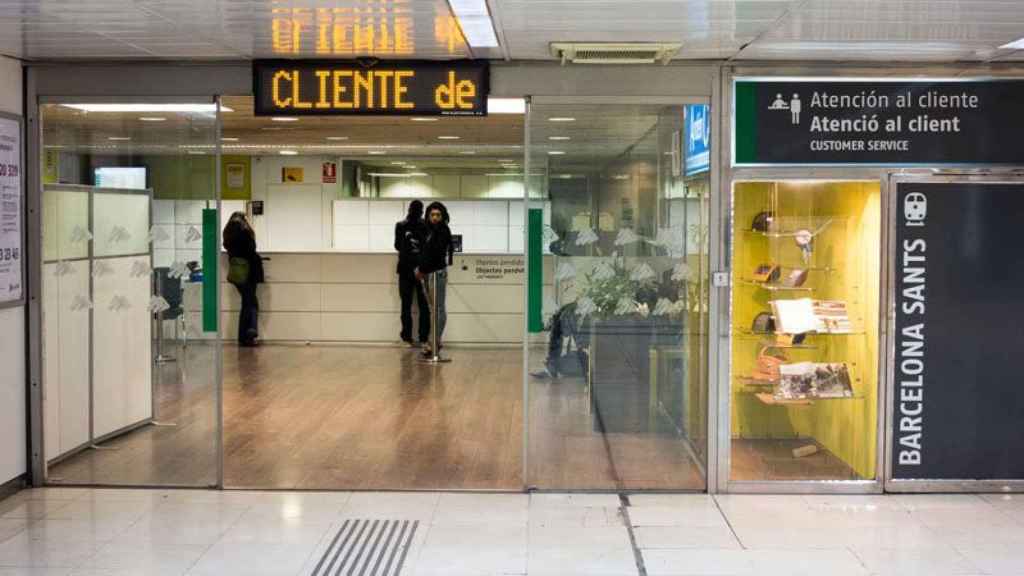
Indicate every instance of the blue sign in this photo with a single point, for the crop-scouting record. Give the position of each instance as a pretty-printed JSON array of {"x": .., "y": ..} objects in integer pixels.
[{"x": 697, "y": 139}]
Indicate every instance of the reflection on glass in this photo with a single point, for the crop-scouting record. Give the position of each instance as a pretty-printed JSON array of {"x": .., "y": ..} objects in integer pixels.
[
  {"x": 376, "y": 29},
  {"x": 618, "y": 392},
  {"x": 122, "y": 202},
  {"x": 805, "y": 330}
]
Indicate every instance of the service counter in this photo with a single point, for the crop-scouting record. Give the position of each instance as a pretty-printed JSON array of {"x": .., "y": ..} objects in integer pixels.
[{"x": 353, "y": 297}]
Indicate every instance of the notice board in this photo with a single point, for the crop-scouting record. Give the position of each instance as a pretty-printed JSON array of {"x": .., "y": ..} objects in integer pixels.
[
  {"x": 958, "y": 401},
  {"x": 12, "y": 200}
]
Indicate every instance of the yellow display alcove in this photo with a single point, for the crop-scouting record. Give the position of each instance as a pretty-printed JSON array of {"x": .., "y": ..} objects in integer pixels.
[{"x": 805, "y": 297}]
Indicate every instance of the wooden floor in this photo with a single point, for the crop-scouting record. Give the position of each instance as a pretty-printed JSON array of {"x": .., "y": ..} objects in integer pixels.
[
  {"x": 333, "y": 417},
  {"x": 773, "y": 460}
]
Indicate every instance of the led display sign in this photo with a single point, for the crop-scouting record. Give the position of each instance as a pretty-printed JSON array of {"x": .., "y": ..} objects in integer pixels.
[{"x": 338, "y": 88}]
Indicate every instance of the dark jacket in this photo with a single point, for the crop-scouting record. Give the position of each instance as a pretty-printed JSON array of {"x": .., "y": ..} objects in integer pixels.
[
  {"x": 437, "y": 251},
  {"x": 410, "y": 236},
  {"x": 241, "y": 243}
]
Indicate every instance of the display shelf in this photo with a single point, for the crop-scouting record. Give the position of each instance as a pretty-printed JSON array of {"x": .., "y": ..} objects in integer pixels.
[
  {"x": 747, "y": 334},
  {"x": 770, "y": 399},
  {"x": 775, "y": 287},
  {"x": 815, "y": 229}
]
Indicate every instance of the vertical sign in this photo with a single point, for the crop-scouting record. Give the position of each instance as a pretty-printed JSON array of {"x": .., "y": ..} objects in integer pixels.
[
  {"x": 958, "y": 405},
  {"x": 535, "y": 270},
  {"x": 330, "y": 173},
  {"x": 697, "y": 136},
  {"x": 211, "y": 278},
  {"x": 11, "y": 199}
]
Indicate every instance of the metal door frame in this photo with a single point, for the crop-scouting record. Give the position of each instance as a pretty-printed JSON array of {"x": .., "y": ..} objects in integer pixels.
[
  {"x": 38, "y": 469},
  {"x": 712, "y": 480}
]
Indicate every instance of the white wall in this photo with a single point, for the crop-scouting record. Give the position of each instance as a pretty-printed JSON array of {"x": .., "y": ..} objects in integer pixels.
[
  {"x": 288, "y": 207},
  {"x": 13, "y": 457}
]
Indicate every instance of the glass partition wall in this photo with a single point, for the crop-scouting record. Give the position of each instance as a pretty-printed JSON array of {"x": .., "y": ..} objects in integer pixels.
[
  {"x": 129, "y": 371},
  {"x": 616, "y": 221},
  {"x": 618, "y": 320}
]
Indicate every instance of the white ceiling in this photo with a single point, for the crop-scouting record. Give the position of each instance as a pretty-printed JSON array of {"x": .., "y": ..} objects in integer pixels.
[{"x": 870, "y": 30}]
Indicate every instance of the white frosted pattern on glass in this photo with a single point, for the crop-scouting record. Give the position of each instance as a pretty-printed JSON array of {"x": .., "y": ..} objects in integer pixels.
[{"x": 120, "y": 224}]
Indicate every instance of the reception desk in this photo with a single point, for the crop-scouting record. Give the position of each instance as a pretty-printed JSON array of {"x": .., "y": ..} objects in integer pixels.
[{"x": 353, "y": 297}]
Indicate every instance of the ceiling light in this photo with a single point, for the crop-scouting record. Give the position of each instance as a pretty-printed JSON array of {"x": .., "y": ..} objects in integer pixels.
[
  {"x": 285, "y": 119},
  {"x": 376, "y": 152},
  {"x": 424, "y": 119},
  {"x": 398, "y": 163},
  {"x": 152, "y": 118},
  {"x": 561, "y": 119},
  {"x": 449, "y": 137},
  {"x": 195, "y": 152},
  {"x": 555, "y": 153},
  {"x": 229, "y": 139},
  {"x": 147, "y": 107},
  {"x": 288, "y": 152},
  {"x": 475, "y": 22},
  {"x": 337, "y": 137},
  {"x": 468, "y": 152},
  {"x": 506, "y": 106},
  {"x": 119, "y": 138},
  {"x": 397, "y": 174},
  {"x": 559, "y": 138},
  {"x": 1015, "y": 45},
  {"x": 506, "y": 160}
]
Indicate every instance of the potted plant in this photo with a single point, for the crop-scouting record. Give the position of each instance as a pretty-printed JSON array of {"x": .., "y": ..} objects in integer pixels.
[{"x": 627, "y": 311}]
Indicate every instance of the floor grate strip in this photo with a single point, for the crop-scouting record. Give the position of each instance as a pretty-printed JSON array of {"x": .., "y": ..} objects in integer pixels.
[{"x": 368, "y": 548}]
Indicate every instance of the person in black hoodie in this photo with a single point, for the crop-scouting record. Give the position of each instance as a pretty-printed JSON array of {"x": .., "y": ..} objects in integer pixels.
[
  {"x": 240, "y": 242},
  {"x": 410, "y": 234},
  {"x": 435, "y": 258}
]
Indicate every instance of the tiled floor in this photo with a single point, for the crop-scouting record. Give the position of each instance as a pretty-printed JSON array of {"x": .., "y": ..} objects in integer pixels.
[{"x": 84, "y": 532}]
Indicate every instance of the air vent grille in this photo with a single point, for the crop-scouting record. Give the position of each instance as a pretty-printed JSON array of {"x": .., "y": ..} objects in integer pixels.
[{"x": 614, "y": 53}]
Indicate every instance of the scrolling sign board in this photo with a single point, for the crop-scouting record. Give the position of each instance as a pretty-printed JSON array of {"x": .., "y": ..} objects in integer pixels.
[
  {"x": 877, "y": 122},
  {"x": 958, "y": 402},
  {"x": 340, "y": 88}
]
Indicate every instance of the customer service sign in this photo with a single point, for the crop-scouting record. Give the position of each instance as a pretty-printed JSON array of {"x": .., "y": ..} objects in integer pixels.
[{"x": 879, "y": 121}]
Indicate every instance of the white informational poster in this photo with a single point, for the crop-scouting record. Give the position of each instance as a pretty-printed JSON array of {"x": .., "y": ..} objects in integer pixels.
[{"x": 11, "y": 284}]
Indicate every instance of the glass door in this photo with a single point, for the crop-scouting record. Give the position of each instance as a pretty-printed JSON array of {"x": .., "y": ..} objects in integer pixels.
[
  {"x": 618, "y": 284},
  {"x": 130, "y": 355}
]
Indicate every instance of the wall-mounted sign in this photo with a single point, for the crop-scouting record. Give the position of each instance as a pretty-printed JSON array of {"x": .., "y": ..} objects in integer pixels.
[
  {"x": 11, "y": 201},
  {"x": 697, "y": 139},
  {"x": 898, "y": 122},
  {"x": 326, "y": 87},
  {"x": 330, "y": 173},
  {"x": 958, "y": 403},
  {"x": 292, "y": 174}
]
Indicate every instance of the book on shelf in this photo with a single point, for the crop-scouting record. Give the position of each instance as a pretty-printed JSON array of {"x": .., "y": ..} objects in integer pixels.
[
  {"x": 805, "y": 315},
  {"x": 805, "y": 380}
]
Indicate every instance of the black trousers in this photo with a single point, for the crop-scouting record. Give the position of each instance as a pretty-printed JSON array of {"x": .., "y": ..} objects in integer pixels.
[
  {"x": 248, "y": 326},
  {"x": 409, "y": 288}
]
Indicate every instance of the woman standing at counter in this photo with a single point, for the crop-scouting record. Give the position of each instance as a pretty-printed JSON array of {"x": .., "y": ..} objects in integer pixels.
[
  {"x": 245, "y": 271},
  {"x": 437, "y": 254}
]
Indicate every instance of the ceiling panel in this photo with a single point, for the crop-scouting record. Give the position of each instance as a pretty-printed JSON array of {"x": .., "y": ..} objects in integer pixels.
[{"x": 873, "y": 30}]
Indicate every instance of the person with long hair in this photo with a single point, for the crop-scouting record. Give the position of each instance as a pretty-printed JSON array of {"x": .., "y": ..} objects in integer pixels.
[
  {"x": 245, "y": 271},
  {"x": 436, "y": 256},
  {"x": 410, "y": 235}
]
